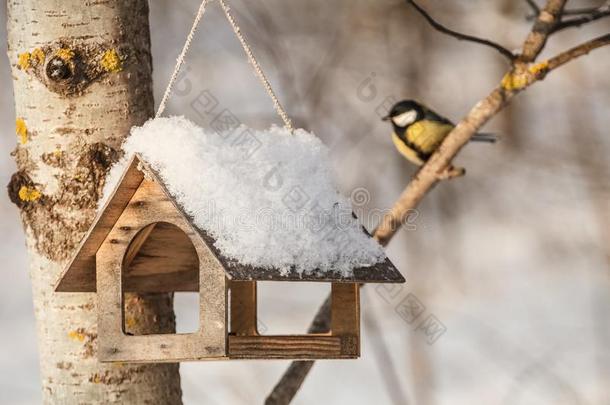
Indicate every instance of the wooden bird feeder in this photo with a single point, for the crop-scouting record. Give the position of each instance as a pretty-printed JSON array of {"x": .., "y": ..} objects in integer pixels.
[{"x": 143, "y": 242}]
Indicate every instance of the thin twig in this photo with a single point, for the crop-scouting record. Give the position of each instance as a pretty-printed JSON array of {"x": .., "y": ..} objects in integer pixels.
[
  {"x": 596, "y": 14},
  {"x": 441, "y": 28},
  {"x": 534, "y": 6},
  {"x": 549, "y": 16},
  {"x": 585, "y": 10},
  {"x": 578, "y": 51},
  {"x": 293, "y": 377}
]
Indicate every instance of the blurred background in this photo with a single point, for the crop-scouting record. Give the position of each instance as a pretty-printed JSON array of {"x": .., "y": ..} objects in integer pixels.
[{"x": 507, "y": 299}]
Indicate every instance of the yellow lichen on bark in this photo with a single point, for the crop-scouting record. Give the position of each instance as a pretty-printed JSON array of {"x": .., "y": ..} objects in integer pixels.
[
  {"x": 131, "y": 322},
  {"x": 22, "y": 130},
  {"x": 521, "y": 78},
  {"x": 23, "y": 60},
  {"x": 539, "y": 67},
  {"x": 29, "y": 194},
  {"x": 111, "y": 62},
  {"x": 515, "y": 81},
  {"x": 38, "y": 56},
  {"x": 65, "y": 54},
  {"x": 76, "y": 335}
]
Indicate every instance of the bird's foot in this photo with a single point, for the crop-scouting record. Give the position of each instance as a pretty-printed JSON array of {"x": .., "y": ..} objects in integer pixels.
[{"x": 451, "y": 173}]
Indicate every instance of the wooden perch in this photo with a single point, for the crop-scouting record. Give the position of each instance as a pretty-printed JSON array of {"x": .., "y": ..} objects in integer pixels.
[{"x": 522, "y": 75}]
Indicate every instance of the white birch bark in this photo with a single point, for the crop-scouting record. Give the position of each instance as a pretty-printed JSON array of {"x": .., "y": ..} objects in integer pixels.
[{"x": 82, "y": 78}]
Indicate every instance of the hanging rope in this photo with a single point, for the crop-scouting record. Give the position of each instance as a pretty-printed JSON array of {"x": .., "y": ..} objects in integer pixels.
[
  {"x": 180, "y": 60},
  {"x": 257, "y": 69},
  {"x": 255, "y": 65}
]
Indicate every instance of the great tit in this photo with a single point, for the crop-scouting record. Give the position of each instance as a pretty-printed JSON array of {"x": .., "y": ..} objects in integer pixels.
[{"x": 418, "y": 131}]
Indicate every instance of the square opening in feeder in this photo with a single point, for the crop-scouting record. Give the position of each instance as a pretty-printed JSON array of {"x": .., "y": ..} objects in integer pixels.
[{"x": 289, "y": 307}]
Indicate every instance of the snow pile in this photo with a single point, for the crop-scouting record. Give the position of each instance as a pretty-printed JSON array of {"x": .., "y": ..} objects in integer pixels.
[{"x": 267, "y": 197}]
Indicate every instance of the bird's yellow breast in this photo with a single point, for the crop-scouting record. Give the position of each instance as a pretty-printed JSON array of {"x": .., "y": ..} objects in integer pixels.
[
  {"x": 424, "y": 136},
  {"x": 427, "y": 135},
  {"x": 407, "y": 152}
]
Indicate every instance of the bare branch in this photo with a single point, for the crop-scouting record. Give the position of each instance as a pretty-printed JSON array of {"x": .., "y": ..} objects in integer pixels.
[
  {"x": 585, "y": 10},
  {"x": 577, "y": 52},
  {"x": 535, "y": 8},
  {"x": 585, "y": 18},
  {"x": 385, "y": 360},
  {"x": 293, "y": 378},
  {"x": 545, "y": 22},
  {"x": 441, "y": 28}
]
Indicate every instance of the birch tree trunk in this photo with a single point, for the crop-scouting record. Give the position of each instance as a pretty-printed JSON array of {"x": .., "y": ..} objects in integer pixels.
[{"x": 82, "y": 78}]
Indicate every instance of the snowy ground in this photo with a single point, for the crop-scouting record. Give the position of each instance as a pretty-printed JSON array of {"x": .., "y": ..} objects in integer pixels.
[{"x": 511, "y": 262}]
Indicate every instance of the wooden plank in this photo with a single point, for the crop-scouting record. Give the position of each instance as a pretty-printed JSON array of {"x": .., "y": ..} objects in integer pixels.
[
  {"x": 345, "y": 316},
  {"x": 79, "y": 274},
  {"x": 243, "y": 308},
  {"x": 345, "y": 309},
  {"x": 158, "y": 348},
  {"x": 162, "y": 283},
  {"x": 290, "y": 347},
  {"x": 167, "y": 261},
  {"x": 136, "y": 244}
]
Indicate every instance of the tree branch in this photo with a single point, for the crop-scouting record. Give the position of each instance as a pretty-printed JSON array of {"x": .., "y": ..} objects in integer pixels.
[
  {"x": 385, "y": 360},
  {"x": 441, "y": 28},
  {"x": 535, "y": 8},
  {"x": 521, "y": 76},
  {"x": 585, "y": 17},
  {"x": 585, "y": 10},
  {"x": 293, "y": 377},
  {"x": 578, "y": 51},
  {"x": 545, "y": 21}
]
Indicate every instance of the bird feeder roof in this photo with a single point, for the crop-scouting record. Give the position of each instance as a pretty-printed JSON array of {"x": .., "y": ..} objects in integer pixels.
[{"x": 80, "y": 274}]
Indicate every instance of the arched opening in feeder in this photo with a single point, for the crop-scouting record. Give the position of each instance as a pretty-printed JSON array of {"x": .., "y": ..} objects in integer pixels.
[{"x": 162, "y": 263}]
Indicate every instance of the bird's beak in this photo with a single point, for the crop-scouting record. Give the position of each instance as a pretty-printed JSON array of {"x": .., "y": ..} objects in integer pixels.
[{"x": 386, "y": 118}]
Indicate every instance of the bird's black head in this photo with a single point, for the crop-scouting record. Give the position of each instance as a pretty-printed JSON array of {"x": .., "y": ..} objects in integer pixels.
[{"x": 405, "y": 113}]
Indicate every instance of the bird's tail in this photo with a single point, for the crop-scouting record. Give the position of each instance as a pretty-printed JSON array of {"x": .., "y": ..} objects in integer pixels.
[{"x": 484, "y": 137}]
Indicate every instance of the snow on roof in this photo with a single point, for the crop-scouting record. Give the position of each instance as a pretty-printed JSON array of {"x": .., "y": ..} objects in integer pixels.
[{"x": 268, "y": 198}]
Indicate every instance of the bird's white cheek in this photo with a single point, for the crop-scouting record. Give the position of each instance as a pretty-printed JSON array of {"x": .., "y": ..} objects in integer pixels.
[{"x": 405, "y": 118}]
